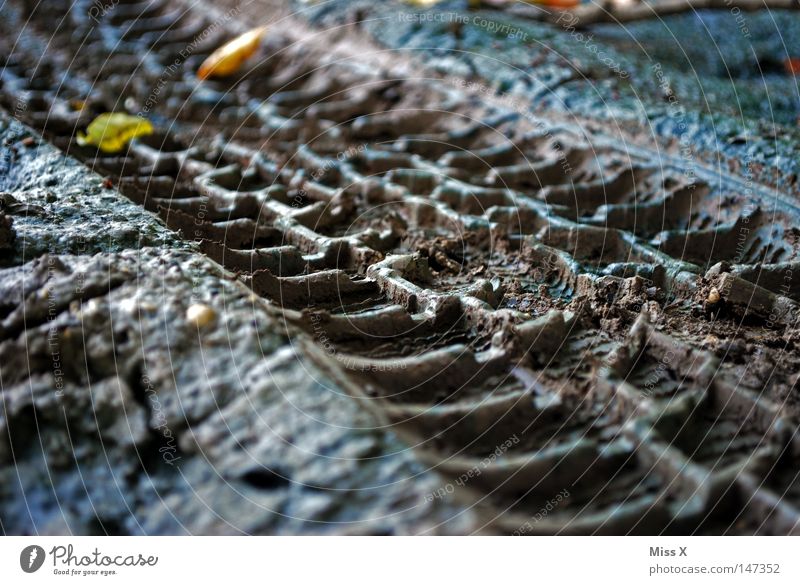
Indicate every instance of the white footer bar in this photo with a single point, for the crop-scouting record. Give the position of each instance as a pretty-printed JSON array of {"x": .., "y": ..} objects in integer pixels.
[{"x": 399, "y": 560}]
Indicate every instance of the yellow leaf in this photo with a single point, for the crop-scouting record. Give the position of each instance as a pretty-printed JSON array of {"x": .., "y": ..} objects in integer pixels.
[
  {"x": 229, "y": 57},
  {"x": 423, "y": 3},
  {"x": 112, "y": 132}
]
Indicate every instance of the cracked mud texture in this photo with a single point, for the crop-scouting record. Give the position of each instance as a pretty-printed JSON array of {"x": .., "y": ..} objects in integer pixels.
[
  {"x": 534, "y": 307},
  {"x": 119, "y": 416}
]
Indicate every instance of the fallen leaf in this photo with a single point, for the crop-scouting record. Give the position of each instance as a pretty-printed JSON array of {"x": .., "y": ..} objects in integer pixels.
[
  {"x": 112, "y": 132},
  {"x": 423, "y": 3},
  {"x": 229, "y": 57},
  {"x": 505, "y": 3},
  {"x": 556, "y": 3},
  {"x": 792, "y": 65}
]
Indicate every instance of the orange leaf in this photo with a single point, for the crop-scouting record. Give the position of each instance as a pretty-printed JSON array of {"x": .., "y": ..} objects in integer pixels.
[
  {"x": 558, "y": 3},
  {"x": 229, "y": 58}
]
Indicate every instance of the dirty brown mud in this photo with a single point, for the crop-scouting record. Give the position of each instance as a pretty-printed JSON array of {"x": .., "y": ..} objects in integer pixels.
[{"x": 535, "y": 310}]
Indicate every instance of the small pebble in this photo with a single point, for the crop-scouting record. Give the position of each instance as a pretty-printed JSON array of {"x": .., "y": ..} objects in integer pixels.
[{"x": 200, "y": 315}]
